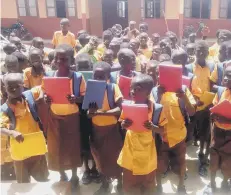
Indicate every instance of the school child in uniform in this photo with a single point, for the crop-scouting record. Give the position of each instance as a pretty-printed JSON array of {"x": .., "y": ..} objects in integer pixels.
[
  {"x": 155, "y": 39},
  {"x": 145, "y": 50},
  {"x": 83, "y": 63},
  {"x": 220, "y": 149},
  {"x": 106, "y": 141},
  {"x": 17, "y": 42},
  {"x": 156, "y": 52},
  {"x": 63, "y": 135},
  {"x": 64, "y": 36},
  {"x": 173, "y": 39},
  {"x": 205, "y": 75},
  {"x": 19, "y": 117},
  {"x": 152, "y": 70},
  {"x": 192, "y": 37},
  {"x": 165, "y": 46},
  {"x": 9, "y": 48},
  {"x": 176, "y": 107},
  {"x": 22, "y": 60},
  {"x": 191, "y": 50},
  {"x": 78, "y": 45},
  {"x": 115, "y": 47},
  {"x": 138, "y": 157},
  {"x": 222, "y": 56},
  {"x": 107, "y": 37},
  {"x": 131, "y": 32},
  {"x": 108, "y": 57}
]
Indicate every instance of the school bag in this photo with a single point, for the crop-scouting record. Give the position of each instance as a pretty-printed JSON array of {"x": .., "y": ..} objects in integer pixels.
[
  {"x": 77, "y": 78},
  {"x": 211, "y": 67},
  {"x": 114, "y": 76},
  {"x": 32, "y": 106}
]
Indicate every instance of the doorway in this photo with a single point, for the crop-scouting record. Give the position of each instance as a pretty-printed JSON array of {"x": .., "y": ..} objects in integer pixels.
[{"x": 114, "y": 12}]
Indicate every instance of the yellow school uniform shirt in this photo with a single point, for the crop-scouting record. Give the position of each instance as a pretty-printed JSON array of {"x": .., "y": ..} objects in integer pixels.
[
  {"x": 175, "y": 130},
  {"x": 67, "y": 109},
  {"x": 226, "y": 95},
  {"x": 107, "y": 120},
  {"x": 139, "y": 151},
  {"x": 214, "y": 52},
  {"x": 30, "y": 80},
  {"x": 147, "y": 52},
  {"x": 59, "y": 38},
  {"x": 101, "y": 49},
  {"x": 202, "y": 80}
]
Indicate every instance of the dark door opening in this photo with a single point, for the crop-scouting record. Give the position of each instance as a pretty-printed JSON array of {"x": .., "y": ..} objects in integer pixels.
[
  {"x": 61, "y": 9},
  {"x": 115, "y": 12}
]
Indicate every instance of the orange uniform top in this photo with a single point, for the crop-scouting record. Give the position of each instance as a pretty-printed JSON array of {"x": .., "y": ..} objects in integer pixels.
[
  {"x": 226, "y": 95},
  {"x": 139, "y": 151},
  {"x": 107, "y": 120},
  {"x": 30, "y": 80},
  {"x": 59, "y": 39},
  {"x": 67, "y": 109},
  {"x": 175, "y": 130}
]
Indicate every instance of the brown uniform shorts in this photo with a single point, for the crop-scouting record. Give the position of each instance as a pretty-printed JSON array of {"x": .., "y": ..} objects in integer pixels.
[
  {"x": 138, "y": 184},
  {"x": 174, "y": 155},
  {"x": 35, "y": 166}
]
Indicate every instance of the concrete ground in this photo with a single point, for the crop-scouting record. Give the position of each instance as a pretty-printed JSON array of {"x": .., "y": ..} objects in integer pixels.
[{"x": 195, "y": 184}]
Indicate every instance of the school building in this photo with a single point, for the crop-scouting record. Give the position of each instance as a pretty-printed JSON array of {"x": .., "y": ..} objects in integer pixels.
[{"x": 41, "y": 17}]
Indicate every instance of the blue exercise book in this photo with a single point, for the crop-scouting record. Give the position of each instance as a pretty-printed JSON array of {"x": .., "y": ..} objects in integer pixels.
[
  {"x": 87, "y": 75},
  {"x": 94, "y": 93}
]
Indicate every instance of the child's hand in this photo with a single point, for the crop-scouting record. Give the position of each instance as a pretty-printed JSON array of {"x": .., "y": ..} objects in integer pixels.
[
  {"x": 93, "y": 107},
  {"x": 199, "y": 103},
  {"x": 149, "y": 125},
  {"x": 180, "y": 93},
  {"x": 126, "y": 123},
  {"x": 47, "y": 99},
  {"x": 18, "y": 136},
  {"x": 71, "y": 99},
  {"x": 219, "y": 118}
]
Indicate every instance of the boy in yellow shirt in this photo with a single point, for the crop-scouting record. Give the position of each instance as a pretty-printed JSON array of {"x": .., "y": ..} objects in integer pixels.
[
  {"x": 18, "y": 119},
  {"x": 144, "y": 49},
  {"x": 138, "y": 157},
  {"x": 106, "y": 141},
  {"x": 64, "y": 36},
  {"x": 107, "y": 37}
]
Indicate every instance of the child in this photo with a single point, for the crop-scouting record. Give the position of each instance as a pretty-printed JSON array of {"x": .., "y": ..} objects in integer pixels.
[
  {"x": 173, "y": 148},
  {"x": 152, "y": 70},
  {"x": 164, "y": 58},
  {"x": 9, "y": 48},
  {"x": 38, "y": 43},
  {"x": 11, "y": 64},
  {"x": 107, "y": 37},
  {"x": 165, "y": 46},
  {"x": 33, "y": 75},
  {"x": 83, "y": 62},
  {"x": 147, "y": 52},
  {"x": 205, "y": 76},
  {"x": 78, "y": 45},
  {"x": 19, "y": 104},
  {"x": 156, "y": 52},
  {"x": 192, "y": 37},
  {"x": 108, "y": 57},
  {"x": 143, "y": 27},
  {"x": 106, "y": 140},
  {"x": 64, "y": 36},
  {"x": 22, "y": 60},
  {"x": 63, "y": 135},
  {"x": 127, "y": 61},
  {"x": 17, "y": 42},
  {"x": 83, "y": 39},
  {"x": 174, "y": 44},
  {"x": 155, "y": 39},
  {"x": 115, "y": 47},
  {"x": 138, "y": 157},
  {"x": 191, "y": 50},
  {"x": 222, "y": 56},
  {"x": 220, "y": 154},
  {"x": 131, "y": 32}
]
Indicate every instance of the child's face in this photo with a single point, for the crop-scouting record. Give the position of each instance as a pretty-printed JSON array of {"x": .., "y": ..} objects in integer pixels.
[
  {"x": 180, "y": 59},
  {"x": 134, "y": 47},
  {"x": 107, "y": 40},
  {"x": 14, "y": 88},
  {"x": 191, "y": 51},
  {"x": 115, "y": 48},
  {"x": 143, "y": 28},
  {"x": 165, "y": 48},
  {"x": 227, "y": 78},
  {"x": 62, "y": 61},
  {"x": 101, "y": 75},
  {"x": 12, "y": 67},
  {"x": 108, "y": 57},
  {"x": 155, "y": 39},
  {"x": 156, "y": 53},
  {"x": 139, "y": 93},
  {"x": 127, "y": 62},
  {"x": 192, "y": 38},
  {"x": 83, "y": 65},
  {"x": 201, "y": 53},
  {"x": 173, "y": 39},
  {"x": 18, "y": 44},
  {"x": 153, "y": 72},
  {"x": 36, "y": 60},
  {"x": 64, "y": 26},
  {"x": 143, "y": 40},
  {"x": 39, "y": 45},
  {"x": 10, "y": 50}
]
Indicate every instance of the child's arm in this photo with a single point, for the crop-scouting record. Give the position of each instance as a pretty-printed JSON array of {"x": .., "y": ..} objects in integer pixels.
[
  {"x": 12, "y": 133},
  {"x": 220, "y": 119},
  {"x": 156, "y": 129}
]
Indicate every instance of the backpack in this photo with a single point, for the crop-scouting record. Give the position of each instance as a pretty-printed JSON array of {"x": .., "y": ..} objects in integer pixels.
[
  {"x": 211, "y": 67},
  {"x": 32, "y": 106},
  {"x": 181, "y": 103},
  {"x": 77, "y": 78}
]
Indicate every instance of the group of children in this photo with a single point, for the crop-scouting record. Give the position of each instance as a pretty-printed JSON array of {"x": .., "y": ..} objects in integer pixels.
[{"x": 138, "y": 160}]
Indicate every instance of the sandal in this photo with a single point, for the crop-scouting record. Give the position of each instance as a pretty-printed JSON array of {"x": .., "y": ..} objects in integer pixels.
[
  {"x": 95, "y": 176},
  {"x": 86, "y": 179}
]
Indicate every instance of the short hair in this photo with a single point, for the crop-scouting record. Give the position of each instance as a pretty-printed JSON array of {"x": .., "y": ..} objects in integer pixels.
[
  {"x": 67, "y": 48},
  {"x": 143, "y": 34},
  {"x": 144, "y": 24},
  {"x": 124, "y": 52},
  {"x": 11, "y": 59},
  {"x": 202, "y": 43},
  {"x": 228, "y": 44},
  {"x": 153, "y": 63},
  {"x": 144, "y": 80},
  {"x": 81, "y": 32},
  {"x": 83, "y": 37},
  {"x": 21, "y": 57},
  {"x": 104, "y": 65},
  {"x": 124, "y": 45},
  {"x": 108, "y": 51},
  {"x": 155, "y": 35},
  {"x": 226, "y": 33},
  {"x": 165, "y": 39},
  {"x": 64, "y": 20},
  {"x": 107, "y": 33},
  {"x": 177, "y": 53},
  {"x": 83, "y": 56},
  {"x": 192, "y": 34},
  {"x": 132, "y": 22},
  {"x": 36, "y": 39},
  {"x": 51, "y": 56},
  {"x": 164, "y": 57},
  {"x": 9, "y": 46},
  {"x": 168, "y": 33},
  {"x": 35, "y": 50},
  {"x": 15, "y": 39},
  {"x": 12, "y": 76}
]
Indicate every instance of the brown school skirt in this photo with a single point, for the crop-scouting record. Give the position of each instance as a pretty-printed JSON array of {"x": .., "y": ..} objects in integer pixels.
[
  {"x": 43, "y": 113},
  {"x": 174, "y": 155},
  {"x": 63, "y": 141},
  {"x": 35, "y": 166},
  {"x": 106, "y": 144},
  {"x": 138, "y": 184},
  {"x": 220, "y": 151}
]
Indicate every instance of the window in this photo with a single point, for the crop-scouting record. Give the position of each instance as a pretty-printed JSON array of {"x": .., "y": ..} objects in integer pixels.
[
  {"x": 27, "y": 8},
  {"x": 225, "y": 9},
  {"x": 60, "y": 8},
  {"x": 197, "y": 8},
  {"x": 154, "y": 8},
  {"x": 121, "y": 9}
]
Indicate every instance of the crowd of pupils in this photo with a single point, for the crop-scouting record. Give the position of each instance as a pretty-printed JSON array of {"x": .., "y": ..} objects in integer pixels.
[{"x": 138, "y": 160}]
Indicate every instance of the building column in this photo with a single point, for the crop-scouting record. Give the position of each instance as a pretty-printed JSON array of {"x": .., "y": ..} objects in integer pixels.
[{"x": 181, "y": 19}]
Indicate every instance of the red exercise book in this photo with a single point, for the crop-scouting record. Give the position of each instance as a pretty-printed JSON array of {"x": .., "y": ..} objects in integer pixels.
[
  {"x": 124, "y": 85},
  {"x": 57, "y": 88},
  {"x": 138, "y": 113},
  {"x": 186, "y": 81},
  {"x": 223, "y": 109},
  {"x": 170, "y": 77}
]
